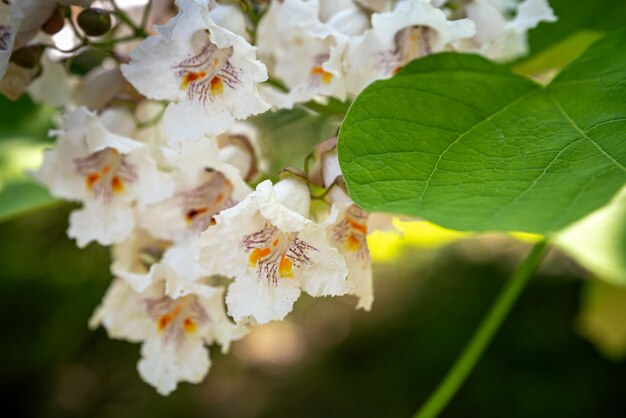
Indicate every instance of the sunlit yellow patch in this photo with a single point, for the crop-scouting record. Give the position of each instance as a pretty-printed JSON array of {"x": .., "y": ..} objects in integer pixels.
[
  {"x": 285, "y": 268},
  {"x": 257, "y": 254},
  {"x": 386, "y": 246}
]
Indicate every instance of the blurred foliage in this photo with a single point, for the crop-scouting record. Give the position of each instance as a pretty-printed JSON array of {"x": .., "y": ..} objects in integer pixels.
[
  {"x": 328, "y": 360},
  {"x": 24, "y": 130},
  {"x": 574, "y": 16},
  {"x": 601, "y": 318}
]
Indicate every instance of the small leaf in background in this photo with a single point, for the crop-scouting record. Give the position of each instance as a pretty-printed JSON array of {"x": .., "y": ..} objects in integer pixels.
[
  {"x": 22, "y": 139},
  {"x": 469, "y": 145},
  {"x": 601, "y": 318},
  {"x": 598, "y": 15},
  {"x": 20, "y": 197},
  {"x": 598, "y": 241}
]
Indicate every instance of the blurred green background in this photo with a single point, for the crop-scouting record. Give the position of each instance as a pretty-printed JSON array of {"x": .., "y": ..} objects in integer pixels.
[{"x": 327, "y": 360}]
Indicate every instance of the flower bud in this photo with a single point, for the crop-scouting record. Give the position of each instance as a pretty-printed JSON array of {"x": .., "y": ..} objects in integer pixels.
[
  {"x": 55, "y": 22},
  {"x": 94, "y": 21},
  {"x": 27, "y": 57}
]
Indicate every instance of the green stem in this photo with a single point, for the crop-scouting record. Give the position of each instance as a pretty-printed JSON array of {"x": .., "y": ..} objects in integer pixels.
[{"x": 483, "y": 336}]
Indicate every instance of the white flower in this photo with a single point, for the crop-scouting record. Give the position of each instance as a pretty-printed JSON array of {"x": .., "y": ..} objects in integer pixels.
[
  {"x": 107, "y": 171},
  {"x": 173, "y": 331},
  {"x": 349, "y": 235},
  {"x": 53, "y": 86},
  {"x": 240, "y": 147},
  {"x": 136, "y": 260},
  {"x": 10, "y": 19},
  {"x": 349, "y": 229},
  {"x": 204, "y": 187},
  {"x": 306, "y": 54},
  {"x": 500, "y": 38},
  {"x": 210, "y": 74},
  {"x": 273, "y": 251},
  {"x": 414, "y": 28}
]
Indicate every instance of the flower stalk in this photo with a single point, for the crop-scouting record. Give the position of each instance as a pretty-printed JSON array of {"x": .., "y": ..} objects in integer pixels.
[{"x": 474, "y": 349}]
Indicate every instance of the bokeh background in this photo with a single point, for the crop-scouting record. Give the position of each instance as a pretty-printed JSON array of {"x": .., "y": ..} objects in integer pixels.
[{"x": 557, "y": 355}]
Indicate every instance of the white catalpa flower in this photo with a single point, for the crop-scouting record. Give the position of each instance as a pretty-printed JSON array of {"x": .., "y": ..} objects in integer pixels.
[
  {"x": 349, "y": 229},
  {"x": 53, "y": 86},
  {"x": 173, "y": 331},
  {"x": 210, "y": 73},
  {"x": 306, "y": 54},
  {"x": 10, "y": 19},
  {"x": 349, "y": 235},
  {"x": 273, "y": 251},
  {"x": 414, "y": 28},
  {"x": 106, "y": 170},
  {"x": 136, "y": 260},
  {"x": 204, "y": 187},
  {"x": 500, "y": 38},
  {"x": 240, "y": 147}
]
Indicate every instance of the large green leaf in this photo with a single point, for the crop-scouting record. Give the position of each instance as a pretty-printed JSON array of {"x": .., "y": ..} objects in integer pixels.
[{"x": 467, "y": 144}]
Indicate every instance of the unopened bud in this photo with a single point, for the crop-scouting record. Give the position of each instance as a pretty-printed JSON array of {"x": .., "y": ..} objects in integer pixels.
[
  {"x": 94, "y": 21},
  {"x": 27, "y": 57},
  {"x": 55, "y": 22}
]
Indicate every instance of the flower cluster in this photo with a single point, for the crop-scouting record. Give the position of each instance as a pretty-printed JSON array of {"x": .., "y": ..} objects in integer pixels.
[{"x": 158, "y": 146}]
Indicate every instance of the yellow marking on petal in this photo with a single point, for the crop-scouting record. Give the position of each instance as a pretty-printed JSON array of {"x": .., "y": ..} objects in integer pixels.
[
  {"x": 285, "y": 268},
  {"x": 189, "y": 326},
  {"x": 163, "y": 322},
  {"x": 91, "y": 180},
  {"x": 167, "y": 319},
  {"x": 217, "y": 87},
  {"x": 362, "y": 228},
  {"x": 323, "y": 74},
  {"x": 257, "y": 254},
  {"x": 117, "y": 184},
  {"x": 191, "y": 77},
  {"x": 192, "y": 213},
  {"x": 275, "y": 243},
  {"x": 353, "y": 242}
]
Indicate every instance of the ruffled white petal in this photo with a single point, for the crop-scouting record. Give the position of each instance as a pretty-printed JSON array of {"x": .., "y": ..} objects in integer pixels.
[{"x": 250, "y": 300}]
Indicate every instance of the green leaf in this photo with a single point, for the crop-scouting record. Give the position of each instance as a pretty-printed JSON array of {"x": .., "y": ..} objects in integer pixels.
[
  {"x": 598, "y": 241},
  {"x": 20, "y": 197},
  {"x": 467, "y": 144}
]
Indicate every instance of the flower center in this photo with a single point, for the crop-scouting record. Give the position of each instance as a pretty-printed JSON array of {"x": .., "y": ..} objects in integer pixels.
[
  {"x": 318, "y": 74},
  {"x": 275, "y": 254},
  {"x": 351, "y": 232},
  {"x": 207, "y": 200},
  {"x": 205, "y": 74},
  {"x": 176, "y": 318},
  {"x": 411, "y": 43},
  {"x": 106, "y": 173}
]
